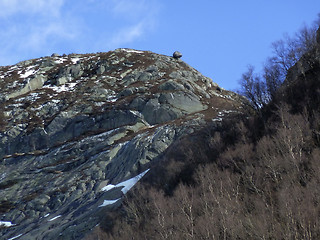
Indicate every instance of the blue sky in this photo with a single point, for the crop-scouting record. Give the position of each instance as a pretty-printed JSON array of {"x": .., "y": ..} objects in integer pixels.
[{"x": 217, "y": 37}]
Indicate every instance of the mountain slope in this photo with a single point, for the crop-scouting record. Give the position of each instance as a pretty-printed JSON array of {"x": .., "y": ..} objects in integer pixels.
[
  {"x": 251, "y": 178},
  {"x": 73, "y": 126}
]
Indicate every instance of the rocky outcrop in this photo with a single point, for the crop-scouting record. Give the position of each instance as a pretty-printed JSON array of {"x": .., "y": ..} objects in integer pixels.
[{"x": 72, "y": 125}]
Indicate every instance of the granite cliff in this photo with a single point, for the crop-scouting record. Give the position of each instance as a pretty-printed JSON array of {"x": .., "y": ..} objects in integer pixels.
[{"x": 77, "y": 131}]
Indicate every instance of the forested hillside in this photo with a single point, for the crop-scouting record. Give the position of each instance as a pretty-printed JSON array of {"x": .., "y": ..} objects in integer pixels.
[{"x": 256, "y": 176}]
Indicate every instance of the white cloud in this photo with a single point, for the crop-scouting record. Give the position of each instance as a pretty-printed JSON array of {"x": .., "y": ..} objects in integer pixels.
[
  {"x": 34, "y": 28},
  {"x": 133, "y": 8},
  {"x": 42, "y": 7},
  {"x": 45, "y": 35},
  {"x": 142, "y": 18},
  {"x": 31, "y": 27},
  {"x": 127, "y": 35}
]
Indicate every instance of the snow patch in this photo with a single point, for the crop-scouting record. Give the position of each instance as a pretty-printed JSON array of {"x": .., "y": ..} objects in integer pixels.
[
  {"x": 217, "y": 120},
  {"x": 126, "y": 185},
  {"x": 13, "y": 67},
  {"x": 99, "y": 104},
  {"x": 6, "y": 224},
  {"x": 222, "y": 113},
  {"x": 223, "y": 96},
  {"x": 55, "y": 100},
  {"x": 31, "y": 97},
  {"x": 15, "y": 237},
  {"x": 63, "y": 88},
  {"x": 112, "y": 98},
  {"x": 72, "y": 85},
  {"x": 3, "y": 175},
  {"x": 29, "y": 71},
  {"x": 59, "y": 61},
  {"x": 108, "y": 202},
  {"x": 229, "y": 111},
  {"x": 75, "y": 60},
  {"x": 14, "y": 84},
  {"x": 131, "y": 50},
  {"x": 136, "y": 113},
  {"x": 108, "y": 187},
  {"x": 17, "y": 105},
  {"x": 54, "y": 218}
]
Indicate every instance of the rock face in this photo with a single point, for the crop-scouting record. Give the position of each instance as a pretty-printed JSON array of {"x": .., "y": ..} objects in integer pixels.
[{"x": 73, "y": 125}]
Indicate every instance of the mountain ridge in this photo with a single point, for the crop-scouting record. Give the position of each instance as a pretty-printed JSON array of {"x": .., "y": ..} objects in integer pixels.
[{"x": 81, "y": 122}]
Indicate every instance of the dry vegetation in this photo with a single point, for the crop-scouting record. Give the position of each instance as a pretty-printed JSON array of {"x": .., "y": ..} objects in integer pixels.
[
  {"x": 250, "y": 178},
  {"x": 236, "y": 183}
]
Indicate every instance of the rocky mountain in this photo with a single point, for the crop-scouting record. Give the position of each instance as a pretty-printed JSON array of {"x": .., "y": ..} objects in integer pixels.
[
  {"x": 78, "y": 131},
  {"x": 255, "y": 176}
]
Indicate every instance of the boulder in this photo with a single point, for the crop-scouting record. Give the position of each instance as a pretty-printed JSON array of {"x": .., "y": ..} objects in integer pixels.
[
  {"x": 55, "y": 55},
  {"x": 177, "y": 54}
]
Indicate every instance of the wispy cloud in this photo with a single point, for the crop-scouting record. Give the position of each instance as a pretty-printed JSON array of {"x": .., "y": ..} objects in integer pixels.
[
  {"x": 44, "y": 36},
  {"x": 141, "y": 16},
  {"x": 134, "y": 8},
  {"x": 43, "y": 7},
  {"x": 127, "y": 34},
  {"x": 31, "y": 27},
  {"x": 34, "y": 28}
]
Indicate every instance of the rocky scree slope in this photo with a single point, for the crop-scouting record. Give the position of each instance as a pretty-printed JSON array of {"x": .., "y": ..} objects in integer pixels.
[{"x": 71, "y": 126}]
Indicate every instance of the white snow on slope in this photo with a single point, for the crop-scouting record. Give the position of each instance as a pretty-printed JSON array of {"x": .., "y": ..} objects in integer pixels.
[
  {"x": 63, "y": 88},
  {"x": 60, "y": 60},
  {"x": 15, "y": 237},
  {"x": 6, "y": 224},
  {"x": 28, "y": 72},
  {"x": 136, "y": 113},
  {"x": 217, "y": 119},
  {"x": 13, "y": 67},
  {"x": 131, "y": 50},
  {"x": 51, "y": 219},
  {"x": 108, "y": 202},
  {"x": 75, "y": 60},
  {"x": 127, "y": 185},
  {"x": 112, "y": 98},
  {"x": 108, "y": 187}
]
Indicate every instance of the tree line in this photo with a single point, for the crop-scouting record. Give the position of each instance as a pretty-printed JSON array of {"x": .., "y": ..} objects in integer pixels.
[{"x": 260, "y": 88}]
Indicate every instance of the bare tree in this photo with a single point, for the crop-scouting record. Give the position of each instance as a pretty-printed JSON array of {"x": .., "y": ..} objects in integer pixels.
[
  {"x": 273, "y": 76},
  {"x": 253, "y": 88},
  {"x": 261, "y": 88}
]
